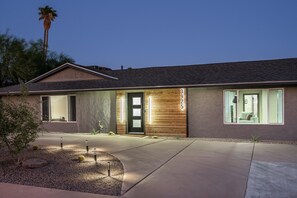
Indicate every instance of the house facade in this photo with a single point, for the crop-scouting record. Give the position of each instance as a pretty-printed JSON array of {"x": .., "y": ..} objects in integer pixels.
[{"x": 223, "y": 100}]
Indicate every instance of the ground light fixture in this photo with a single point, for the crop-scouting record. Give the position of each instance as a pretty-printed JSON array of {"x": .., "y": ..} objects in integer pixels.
[
  {"x": 61, "y": 141},
  {"x": 95, "y": 155},
  {"x": 87, "y": 146},
  {"x": 108, "y": 169}
]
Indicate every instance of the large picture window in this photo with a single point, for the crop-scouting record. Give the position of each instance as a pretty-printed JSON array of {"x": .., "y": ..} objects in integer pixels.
[
  {"x": 253, "y": 106},
  {"x": 58, "y": 108}
]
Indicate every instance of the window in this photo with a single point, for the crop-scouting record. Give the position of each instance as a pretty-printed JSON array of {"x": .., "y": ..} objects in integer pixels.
[
  {"x": 58, "y": 108},
  {"x": 253, "y": 106},
  {"x": 45, "y": 108}
]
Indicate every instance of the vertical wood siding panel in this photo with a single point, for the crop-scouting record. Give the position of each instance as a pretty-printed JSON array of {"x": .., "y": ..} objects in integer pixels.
[
  {"x": 167, "y": 117},
  {"x": 121, "y": 126}
]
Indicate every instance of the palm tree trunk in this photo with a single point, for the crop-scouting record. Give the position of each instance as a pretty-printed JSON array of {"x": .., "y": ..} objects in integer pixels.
[{"x": 45, "y": 41}]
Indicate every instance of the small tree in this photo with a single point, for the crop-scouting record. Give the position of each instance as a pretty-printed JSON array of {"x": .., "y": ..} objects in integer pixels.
[
  {"x": 19, "y": 126},
  {"x": 21, "y": 61}
]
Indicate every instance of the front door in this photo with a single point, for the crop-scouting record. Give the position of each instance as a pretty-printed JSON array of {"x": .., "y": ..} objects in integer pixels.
[{"x": 135, "y": 113}]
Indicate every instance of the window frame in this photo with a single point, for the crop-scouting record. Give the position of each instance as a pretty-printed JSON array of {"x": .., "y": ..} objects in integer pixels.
[
  {"x": 268, "y": 103},
  {"x": 49, "y": 109}
]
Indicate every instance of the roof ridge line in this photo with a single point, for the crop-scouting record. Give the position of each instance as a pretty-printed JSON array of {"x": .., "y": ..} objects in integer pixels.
[
  {"x": 207, "y": 64},
  {"x": 53, "y": 71}
]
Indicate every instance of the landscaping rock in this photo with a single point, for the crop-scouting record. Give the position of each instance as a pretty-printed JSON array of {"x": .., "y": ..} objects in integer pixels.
[
  {"x": 63, "y": 170},
  {"x": 34, "y": 163}
]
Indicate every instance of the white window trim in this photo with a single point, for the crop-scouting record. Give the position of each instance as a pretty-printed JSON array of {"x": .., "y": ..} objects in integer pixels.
[
  {"x": 49, "y": 111},
  {"x": 237, "y": 92}
]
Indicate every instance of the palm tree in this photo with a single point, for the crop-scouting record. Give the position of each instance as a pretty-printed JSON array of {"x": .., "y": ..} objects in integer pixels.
[{"x": 47, "y": 14}]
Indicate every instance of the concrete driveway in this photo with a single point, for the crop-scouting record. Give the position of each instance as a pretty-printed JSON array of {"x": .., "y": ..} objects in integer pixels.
[{"x": 184, "y": 168}]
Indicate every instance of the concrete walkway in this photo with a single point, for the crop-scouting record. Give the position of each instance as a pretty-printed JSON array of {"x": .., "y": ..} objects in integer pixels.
[
  {"x": 273, "y": 171},
  {"x": 183, "y": 168}
]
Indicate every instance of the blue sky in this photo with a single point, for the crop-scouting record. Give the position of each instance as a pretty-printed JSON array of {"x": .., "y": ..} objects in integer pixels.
[{"x": 139, "y": 33}]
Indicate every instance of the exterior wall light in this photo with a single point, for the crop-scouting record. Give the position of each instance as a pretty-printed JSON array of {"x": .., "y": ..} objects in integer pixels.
[
  {"x": 150, "y": 109},
  {"x": 122, "y": 109}
]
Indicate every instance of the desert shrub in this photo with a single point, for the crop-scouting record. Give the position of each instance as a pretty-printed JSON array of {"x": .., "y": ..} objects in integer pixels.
[
  {"x": 255, "y": 138},
  {"x": 100, "y": 127},
  {"x": 19, "y": 125},
  {"x": 35, "y": 148},
  {"x": 94, "y": 132},
  {"x": 99, "y": 130},
  {"x": 81, "y": 158}
]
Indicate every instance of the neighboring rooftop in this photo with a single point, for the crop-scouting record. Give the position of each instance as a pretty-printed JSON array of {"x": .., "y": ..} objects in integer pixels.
[{"x": 266, "y": 72}]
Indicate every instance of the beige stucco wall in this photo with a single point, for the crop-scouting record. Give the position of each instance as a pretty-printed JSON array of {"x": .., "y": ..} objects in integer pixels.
[{"x": 205, "y": 117}]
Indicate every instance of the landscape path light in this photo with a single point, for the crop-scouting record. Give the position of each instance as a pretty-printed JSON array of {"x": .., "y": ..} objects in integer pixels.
[
  {"x": 108, "y": 169},
  {"x": 95, "y": 155},
  {"x": 61, "y": 142},
  {"x": 87, "y": 146}
]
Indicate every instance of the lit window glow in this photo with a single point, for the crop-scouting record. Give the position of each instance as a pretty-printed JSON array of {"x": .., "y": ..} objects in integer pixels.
[
  {"x": 254, "y": 106},
  {"x": 122, "y": 109},
  {"x": 58, "y": 108}
]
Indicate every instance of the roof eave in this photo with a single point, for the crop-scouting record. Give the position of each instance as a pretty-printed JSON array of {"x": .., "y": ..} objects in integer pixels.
[
  {"x": 61, "y": 67},
  {"x": 160, "y": 86}
]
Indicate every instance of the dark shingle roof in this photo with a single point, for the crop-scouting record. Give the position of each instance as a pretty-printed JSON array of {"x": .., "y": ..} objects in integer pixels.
[{"x": 282, "y": 71}]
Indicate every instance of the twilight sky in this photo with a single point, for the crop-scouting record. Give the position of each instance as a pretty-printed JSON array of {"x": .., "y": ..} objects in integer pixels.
[{"x": 140, "y": 33}]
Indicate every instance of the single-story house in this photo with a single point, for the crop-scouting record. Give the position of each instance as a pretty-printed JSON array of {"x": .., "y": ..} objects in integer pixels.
[{"x": 222, "y": 100}]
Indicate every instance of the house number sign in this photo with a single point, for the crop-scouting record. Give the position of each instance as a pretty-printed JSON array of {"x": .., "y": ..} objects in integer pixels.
[{"x": 182, "y": 99}]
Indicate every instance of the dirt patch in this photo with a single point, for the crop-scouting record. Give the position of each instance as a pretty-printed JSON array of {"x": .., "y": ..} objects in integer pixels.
[{"x": 64, "y": 171}]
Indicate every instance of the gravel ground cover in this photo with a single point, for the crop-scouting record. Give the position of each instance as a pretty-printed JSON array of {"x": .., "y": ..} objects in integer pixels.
[
  {"x": 227, "y": 140},
  {"x": 64, "y": 171},
  {"x": 248, "y": 141}
]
